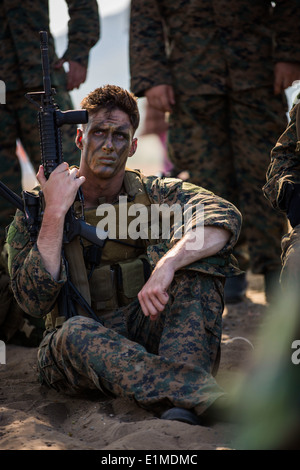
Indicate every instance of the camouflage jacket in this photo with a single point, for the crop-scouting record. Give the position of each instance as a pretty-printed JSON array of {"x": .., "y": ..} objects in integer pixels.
[
  {"x": 284, "y": 169},
  {"x": 36, "y": 290},
  {"x": 20, "y": 56},
  {"x": 205, "y": 46}
]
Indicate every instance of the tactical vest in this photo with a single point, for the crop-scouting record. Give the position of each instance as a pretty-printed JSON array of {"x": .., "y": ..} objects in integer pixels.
[{"x": 112, "y": 276}]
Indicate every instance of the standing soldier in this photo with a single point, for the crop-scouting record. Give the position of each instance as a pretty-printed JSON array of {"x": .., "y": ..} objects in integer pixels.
[
  {"x": 220, "y": 68},
  {"x": 20, "y": 70}
]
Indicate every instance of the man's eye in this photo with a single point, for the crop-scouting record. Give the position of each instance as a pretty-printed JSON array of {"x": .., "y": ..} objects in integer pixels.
[{"x": 121, "y": 136}]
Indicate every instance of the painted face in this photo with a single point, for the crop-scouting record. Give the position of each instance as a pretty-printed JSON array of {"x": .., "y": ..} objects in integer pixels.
[{"x": 107, "y": 142}]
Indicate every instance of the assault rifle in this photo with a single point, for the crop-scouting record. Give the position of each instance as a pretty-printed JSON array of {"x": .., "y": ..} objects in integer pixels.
[{"x": 50, "y": 120}]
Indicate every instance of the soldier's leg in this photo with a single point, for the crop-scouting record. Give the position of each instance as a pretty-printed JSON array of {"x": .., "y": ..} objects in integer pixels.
[
  {"x": 200, "y": 142},
  {"x": 190, "y": 327},
  {"x": 258, "y": 117},
  {"x": 84, "y": 354}
]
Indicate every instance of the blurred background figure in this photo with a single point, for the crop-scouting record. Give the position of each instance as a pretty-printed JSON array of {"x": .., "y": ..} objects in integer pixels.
[
  {"x": 21, "y": 70},
  {"x": 220, "y": 69},
  {"x": 268, "y": 399}
]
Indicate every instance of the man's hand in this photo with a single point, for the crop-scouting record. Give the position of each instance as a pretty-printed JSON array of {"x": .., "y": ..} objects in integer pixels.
[
  {"x": 61, "y": 188},
  {"x": 286, "y": 73},
  {"x": 76, "y": 75},
  {"x": 59, "y": 192},
  {"x": 153, "y": 297},
  {"x": 161, "y": 97}
]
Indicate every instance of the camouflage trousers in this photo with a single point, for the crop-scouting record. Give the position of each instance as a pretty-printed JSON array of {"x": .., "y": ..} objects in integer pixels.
[
  {"x": 224, "y": 142},
  {"x": 19, "y": 121},
  {"x": 170, "y": 362}
]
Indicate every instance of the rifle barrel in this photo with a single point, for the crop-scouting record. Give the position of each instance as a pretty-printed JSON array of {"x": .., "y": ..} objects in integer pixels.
[
  {"x": 11, "y": 197},
  {"x": 45, "y": 63}
]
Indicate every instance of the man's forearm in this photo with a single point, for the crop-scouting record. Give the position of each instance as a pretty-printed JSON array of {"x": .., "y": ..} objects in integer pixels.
[
  {"x": 187, "y": 250},
  {"x": 49, "y": 242},
  {"x": 153, "y": 297}
]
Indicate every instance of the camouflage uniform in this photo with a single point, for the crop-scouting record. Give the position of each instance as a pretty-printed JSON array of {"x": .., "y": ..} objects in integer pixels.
[
  {"x": 21, "y": 70},
  {"x": 219, "y": 58},
  {"x": 283, "y": 173},
  {"x": 169, "y": 362}
]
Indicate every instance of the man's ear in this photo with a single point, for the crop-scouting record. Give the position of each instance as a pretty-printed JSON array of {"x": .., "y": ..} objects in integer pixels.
[
  {"x": 79, "y": 138},
  {"x": 133, "y": 147}
]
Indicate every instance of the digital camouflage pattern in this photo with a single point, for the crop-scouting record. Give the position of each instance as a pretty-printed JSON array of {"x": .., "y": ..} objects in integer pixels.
[
  {"x": 170, "y": 362},
  {"x": 207, "y": 47},
  {"x": 21, "y": 70},
  {"x": 20, "y": 63},
  {"x": 232, "y": 160},
  {"x": 219, "y": 58},
  {"x": 36, "y": 290},
  {"x": 282, "y": 174},
  {"x": 284, "y": 168}
]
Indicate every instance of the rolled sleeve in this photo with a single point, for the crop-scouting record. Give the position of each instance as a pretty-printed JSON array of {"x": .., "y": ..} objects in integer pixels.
[
  {"x": 213, "y": 211},
  {"x": 34, "y": 288}
]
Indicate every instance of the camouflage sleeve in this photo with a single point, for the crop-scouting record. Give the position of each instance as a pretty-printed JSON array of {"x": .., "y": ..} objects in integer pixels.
[
  {"x": 148, "y": 58},
  {"x": 34, "y": 288},
  {"x": 284, "y": 169},
  {"x": 83, "y": 29},
  {"x": 216, "y": 211},
  {"x": 285, "y": 25}
]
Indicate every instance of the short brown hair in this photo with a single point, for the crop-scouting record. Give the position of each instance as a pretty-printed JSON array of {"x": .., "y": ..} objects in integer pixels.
[{"x": 113, "y": 97}]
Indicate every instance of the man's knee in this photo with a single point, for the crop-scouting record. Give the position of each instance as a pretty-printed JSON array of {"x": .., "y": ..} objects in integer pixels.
[
  {"x": 76, "y": 327},
  {"x": 189, "y": 285}
]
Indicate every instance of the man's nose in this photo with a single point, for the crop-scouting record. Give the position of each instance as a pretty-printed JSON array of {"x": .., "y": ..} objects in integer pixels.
[{"x": 108, "y": 145}]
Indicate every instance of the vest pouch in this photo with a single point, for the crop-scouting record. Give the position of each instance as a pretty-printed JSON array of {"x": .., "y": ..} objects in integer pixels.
[
  {"x": 53, "y": 320},
  {"x": 103, "y": 289},
  {"x": 131, "y": 279}
]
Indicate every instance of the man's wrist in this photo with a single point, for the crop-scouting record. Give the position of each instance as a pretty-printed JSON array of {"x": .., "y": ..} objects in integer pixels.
[{"x": 54, "y": 214}]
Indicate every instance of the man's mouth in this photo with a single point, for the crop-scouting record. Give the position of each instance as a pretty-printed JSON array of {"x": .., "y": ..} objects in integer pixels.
[{"x": 108, "y": 159}]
